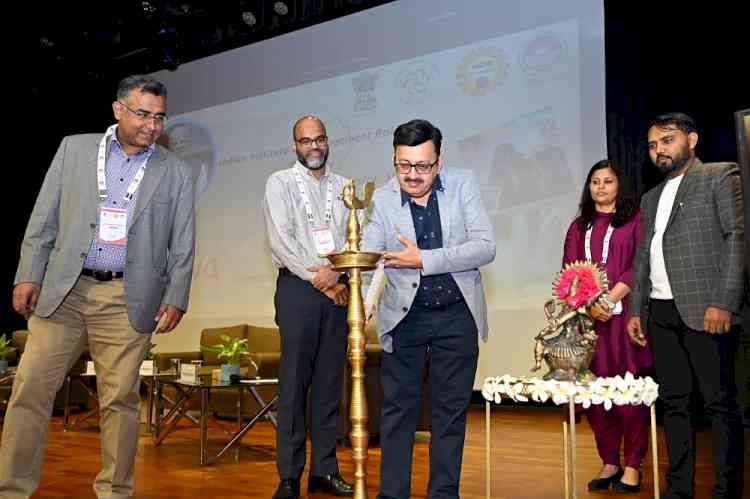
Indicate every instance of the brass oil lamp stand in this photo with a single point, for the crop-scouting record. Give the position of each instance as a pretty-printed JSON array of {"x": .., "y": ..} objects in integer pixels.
[{"x": 354, "y": 262}]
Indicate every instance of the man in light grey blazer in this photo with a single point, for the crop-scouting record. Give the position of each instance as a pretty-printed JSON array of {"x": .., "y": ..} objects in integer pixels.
[
  {"x": 435, "y": 233},
  {"x": 107, "y": 259},
  {"x": 686, "y": 299}
]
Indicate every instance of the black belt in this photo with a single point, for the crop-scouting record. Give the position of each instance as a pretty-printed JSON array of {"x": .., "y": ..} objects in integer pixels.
[
  {"x": 286, "y": 272},
  {"x": 102, "y": 275}
]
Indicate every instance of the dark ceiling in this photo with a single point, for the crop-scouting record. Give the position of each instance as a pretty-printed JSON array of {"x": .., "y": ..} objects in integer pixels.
[{"x": 105, "y": 40}]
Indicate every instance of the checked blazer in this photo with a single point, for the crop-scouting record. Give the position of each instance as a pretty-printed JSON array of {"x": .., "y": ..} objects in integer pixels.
[{"x": 703, "y": 244}]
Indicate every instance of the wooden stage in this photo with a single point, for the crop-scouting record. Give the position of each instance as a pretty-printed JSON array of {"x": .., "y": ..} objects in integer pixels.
[{"x": 526, "y": 457}]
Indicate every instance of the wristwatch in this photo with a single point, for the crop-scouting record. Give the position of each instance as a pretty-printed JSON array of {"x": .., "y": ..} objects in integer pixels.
[{"x": 610, "y": 304}]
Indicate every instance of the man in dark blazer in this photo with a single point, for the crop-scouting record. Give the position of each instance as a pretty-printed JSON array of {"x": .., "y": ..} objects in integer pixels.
[
  {"x": 107, "y": 259},
  {"x": 686, "y": 299}
]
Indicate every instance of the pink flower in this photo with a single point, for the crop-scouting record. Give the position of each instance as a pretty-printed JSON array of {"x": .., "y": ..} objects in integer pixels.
[{"x": 577, "y": 286}]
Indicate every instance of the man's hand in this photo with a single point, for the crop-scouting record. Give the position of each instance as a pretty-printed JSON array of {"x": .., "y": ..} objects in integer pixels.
[
  {"x": 717, "y": 320},
  {"x": 410, "y": 258},
  {"x": 325, "y": 277},
  {"x": 635, "y": 332},
  {"x": 600, "y": 312},
  {"x": 25, "y": 296},
  {"x": 167, "y": 318},
  {"x": 339, "y": 294}
]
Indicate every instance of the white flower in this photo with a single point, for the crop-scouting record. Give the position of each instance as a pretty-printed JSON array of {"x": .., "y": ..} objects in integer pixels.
[
  {"x": 599, "y": 385},
  {"x": 650, "y": 391},
  {"x": 489, "y": 389},
  {"x": 610, "y": 393},
  {"x": 539, "y": 390},
  {"x": 518, "y": 395},
  {"x": 617, "y": 390},
  {"x": 561, "y": 392},
  {"x": 583, "y": 396}
]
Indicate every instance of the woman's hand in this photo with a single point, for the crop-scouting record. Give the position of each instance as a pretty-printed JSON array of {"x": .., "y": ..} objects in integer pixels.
[{"x": 600, "y": 312}]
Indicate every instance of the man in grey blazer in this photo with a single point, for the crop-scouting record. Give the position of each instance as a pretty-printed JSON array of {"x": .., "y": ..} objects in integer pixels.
[
  {"x": 107, "y": 259},
  {"x": 686, "y": 299},
  {"x": 435, "y": 233}
]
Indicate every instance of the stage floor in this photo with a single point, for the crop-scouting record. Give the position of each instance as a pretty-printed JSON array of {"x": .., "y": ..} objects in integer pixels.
[{"x": 526, "y": 459}]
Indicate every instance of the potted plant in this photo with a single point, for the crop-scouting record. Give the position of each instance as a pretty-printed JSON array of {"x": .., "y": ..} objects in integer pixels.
[
  {"x": 5, "y": 350},
  {"x": 231, "y": 350}
]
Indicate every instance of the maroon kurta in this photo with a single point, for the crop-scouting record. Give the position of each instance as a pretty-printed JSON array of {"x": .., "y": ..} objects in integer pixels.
[{"x": 614, "y": 354}]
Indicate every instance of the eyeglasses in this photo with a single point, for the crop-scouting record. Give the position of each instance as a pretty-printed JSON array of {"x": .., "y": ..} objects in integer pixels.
[
  {"x": 307, "y": 141},
  {"x": 159, "y": 118},
  {"x": 421, "y": 167}
]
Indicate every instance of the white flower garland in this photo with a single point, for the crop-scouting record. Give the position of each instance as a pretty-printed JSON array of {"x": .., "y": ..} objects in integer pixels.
[{"x": 619, "y": 390}]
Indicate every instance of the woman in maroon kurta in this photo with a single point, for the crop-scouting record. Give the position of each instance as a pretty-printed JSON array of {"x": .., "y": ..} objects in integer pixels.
[{"x": 608, "y": 216}]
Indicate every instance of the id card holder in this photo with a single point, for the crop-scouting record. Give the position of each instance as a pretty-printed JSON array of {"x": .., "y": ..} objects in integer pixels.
[
  {"x": 113, "y": 226},
  {"x": 618, "y": 308},
  {"x": 324, "y": 243}
]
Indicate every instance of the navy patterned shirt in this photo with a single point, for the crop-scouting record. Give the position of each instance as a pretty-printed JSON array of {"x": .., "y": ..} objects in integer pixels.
[{"x": 435, "y": 291}]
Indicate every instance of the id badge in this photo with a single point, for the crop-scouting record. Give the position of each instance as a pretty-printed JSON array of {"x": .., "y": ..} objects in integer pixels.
[
  {"x": 324, "y": 242},
  {"x": 113, "y": 226},
  {"x": 618, "y": 308}
]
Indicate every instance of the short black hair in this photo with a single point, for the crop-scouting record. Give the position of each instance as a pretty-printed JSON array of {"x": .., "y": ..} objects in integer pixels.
[
  {"x": 416, "y": 132},
  {"x": 145, "y": 84},
  {"x": 680, "y": 121}
]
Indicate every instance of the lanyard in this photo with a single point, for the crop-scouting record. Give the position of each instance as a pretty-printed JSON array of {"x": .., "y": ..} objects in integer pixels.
[
  {"x": 101, "y": 176},
  {"x": 605, "y": 246},
  {"x": 306, "y": 199}
]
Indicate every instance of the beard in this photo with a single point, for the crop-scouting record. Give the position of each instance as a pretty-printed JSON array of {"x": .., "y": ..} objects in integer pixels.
[
  {"x": 313, "y": 164},
  {"x": 677, "y": 162}
]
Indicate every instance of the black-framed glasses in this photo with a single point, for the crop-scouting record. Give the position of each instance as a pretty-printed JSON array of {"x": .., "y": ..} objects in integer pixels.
[
  {"x": 405, "y": 167},
  {"x": 159, "y": 118},
  {"x": 320, "y": 140}
]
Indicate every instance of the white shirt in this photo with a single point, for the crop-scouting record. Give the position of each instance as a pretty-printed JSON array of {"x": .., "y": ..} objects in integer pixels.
[
  {"x": 660, "y": 288},
  {"x": 289, "y": 232}
]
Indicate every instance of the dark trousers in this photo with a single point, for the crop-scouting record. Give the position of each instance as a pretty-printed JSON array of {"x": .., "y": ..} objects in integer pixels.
[
  {"x": 313, "y": 356},
  {"x": 685, "y": 359},
  {"x": 451, "y": 336}
]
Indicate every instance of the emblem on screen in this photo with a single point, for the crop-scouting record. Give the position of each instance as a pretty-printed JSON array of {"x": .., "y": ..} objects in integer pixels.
[
  {"x": 542, "y": 57},
  {"x": 482, "y": 71},
  {"x": 364, "y": 92},
  {"x": 415, "y": 82}
]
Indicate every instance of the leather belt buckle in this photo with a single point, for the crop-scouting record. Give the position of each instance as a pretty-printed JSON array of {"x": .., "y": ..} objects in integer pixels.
[{"x": 102, "y": 275}]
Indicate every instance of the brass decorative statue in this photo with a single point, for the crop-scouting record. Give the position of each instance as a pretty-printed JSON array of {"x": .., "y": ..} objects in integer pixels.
[
  {"x": 567, "y": 343},
  {"x": 354, "y": 262}
]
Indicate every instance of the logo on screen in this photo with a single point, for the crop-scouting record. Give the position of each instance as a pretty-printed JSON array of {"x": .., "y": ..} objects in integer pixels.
[
  {"x": 415, "y": 81},
  {"x": 364, "y": 92},
  {"x": 482, "y": 71},
  {"x": 542, "y": 56}
]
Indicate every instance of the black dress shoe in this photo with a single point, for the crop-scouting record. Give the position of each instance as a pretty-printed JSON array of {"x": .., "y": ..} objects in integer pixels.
[
  {"x": 333, "y": 484},
  {"x": 288, "y": 489},
  {"x": 605, "y": 483},
  {"x": 624, "y": 488}
]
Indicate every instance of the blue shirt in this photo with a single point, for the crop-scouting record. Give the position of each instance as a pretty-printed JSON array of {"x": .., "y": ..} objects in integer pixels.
[
  {"x": 119, "y": 171},
  {"x": 435, "y": 291}
]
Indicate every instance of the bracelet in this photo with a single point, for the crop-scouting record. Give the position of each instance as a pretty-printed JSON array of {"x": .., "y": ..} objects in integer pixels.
[{"x": 608, "y": 302}]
